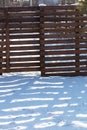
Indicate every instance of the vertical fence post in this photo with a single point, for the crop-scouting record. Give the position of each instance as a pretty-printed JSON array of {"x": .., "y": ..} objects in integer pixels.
[
  {"x": 7, "y": 41},
  {"x": 1, "y": 49},
  {"x": 1, "y": 58},
  {"x": 77, "y": 42},
  {"x": 42, "y": 51},
  {"x": 1, "y": 45}
]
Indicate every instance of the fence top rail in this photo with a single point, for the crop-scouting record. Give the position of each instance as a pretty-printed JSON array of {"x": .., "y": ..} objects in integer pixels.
[
  {"x": 38, "y": 7},
  {"x": 17, "y": 9}
]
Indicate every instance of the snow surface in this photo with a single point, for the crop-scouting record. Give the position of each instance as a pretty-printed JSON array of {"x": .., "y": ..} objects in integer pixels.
[{"x": 31, "y": 102}]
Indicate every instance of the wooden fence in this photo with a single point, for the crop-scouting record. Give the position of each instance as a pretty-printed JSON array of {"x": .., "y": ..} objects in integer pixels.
[{"x": 52, "y": 40}]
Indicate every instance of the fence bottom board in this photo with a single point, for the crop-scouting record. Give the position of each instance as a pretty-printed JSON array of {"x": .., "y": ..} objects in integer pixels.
[
  {"x": 21, "y": 70},
  {"x": 67, "y": 74}
]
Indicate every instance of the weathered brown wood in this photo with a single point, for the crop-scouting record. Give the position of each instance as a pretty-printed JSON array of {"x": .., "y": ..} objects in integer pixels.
[
  {"x": 62, "y": 13},
  {"x": 50, "y": 19},
  {"x": 17, "y": 9},
  {"x": 48, "y": 41},
  {"x": 24, "y": 48},
  {"x": 58, "y": 57},
  {"x": 24, "y": 30},
  {"x": 77, "y": 41},
  {"x": 24, "y": 36},
  {"x": 15, "y": 65},
  {"x": 58, "y": 30},
  {"x": 1, "y": 46},
  {"x": 24, "y": 42},
  {"x": 7, "y": 41},
  {"x": 42, "y": 51},
  {"x": 47, "y": 8},
  {"x": 64, "y": 47},
  {"x": 24, "y": 53},
  {"x": 51, "y": 24},
  {"x": 22, "y": 69},
  {"x": 26, "y": 14},
  {"x": 22, "y": 59},
  {"x": 23, "y": 20},
  {"x": 66, "y": 74},
  {"x": 61, "y": 52},
  {"x": 65, "y": 69},
  {"x": 24, "y": 25},
  {"x": 65, "y": 63},
  {"x": 61, "y": 35},
  {"x": 0, "y": 58},
  {"x": 64, "y": 58}
]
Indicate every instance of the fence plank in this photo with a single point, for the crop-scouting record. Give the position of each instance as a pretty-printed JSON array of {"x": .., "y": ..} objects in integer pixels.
[
  {"x": 42, "y": 58},
  {"x": 7, "y": 41},
  {"x": 0, "y": 58},
  {"x": 77, "y": 41}
]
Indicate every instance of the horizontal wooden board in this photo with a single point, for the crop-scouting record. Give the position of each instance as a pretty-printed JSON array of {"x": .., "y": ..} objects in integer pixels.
[
  {"x": 25, "y": 48},
  {"x": 24, "y": 31},
  {"x": 58, "y": 24},
  {"x": 24, "y": 53},
  {"x": 59, "y": 30},
  {"x": 61, "y": 35},
  {"x": 22, "y": 65},
  {"x": 65, "y": 64},
  {"x": 64, "y": 46},
  {"x": 61, "y": 58},
  {"x": 23, "y": 19},
  {"x": 48, "y": 41},
  {"x": 25, "y": 42},
  {"x": 21, "y": 25},
  {"x": 65, "y": 69},
  {"x": 18, "y": 9},
  {"x": 25, "y": 14},
  {"x": 57, "y": 13},
  {"x": 61, "y": 7},
  {"x": 67, "y": 74},
  {"x": 66, "y": 52},
  {"x": 21, "y": 70}
]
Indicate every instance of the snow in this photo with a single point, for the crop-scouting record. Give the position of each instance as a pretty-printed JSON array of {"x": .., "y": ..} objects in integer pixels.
[{"x": 31, "y": 102}]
